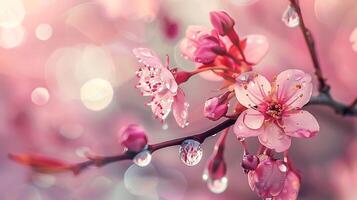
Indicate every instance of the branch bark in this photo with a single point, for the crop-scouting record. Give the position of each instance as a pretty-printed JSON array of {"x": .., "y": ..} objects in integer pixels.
[{"x": 324, "y": 97}]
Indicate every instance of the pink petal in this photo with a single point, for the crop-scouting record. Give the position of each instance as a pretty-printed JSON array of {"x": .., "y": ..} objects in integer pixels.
[
  {"x": 291, "y": 187},
  {"x": 188, "y": 49},
  {"x": 267, "y": 180},
  {"x": 251, "y": 89},
  {"x": 180, "y": 108},
  {"x": 148, "y": 57},
  {"x": 253, "y": 119},
  {"x": 161, "y": 104},
  {"x": 256, "y": 48},
  {"x": 300, "y": 124},
  {"x": 193, "y": 32},
  {"x": 273, "y": 137},
  {"x": 294, "y": 88},
  {"x": 169, "y": 80}
]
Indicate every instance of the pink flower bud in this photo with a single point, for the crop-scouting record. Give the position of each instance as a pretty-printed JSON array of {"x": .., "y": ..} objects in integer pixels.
[
  {"x": 222, "y": 22},
  {"x": 250, "y": 162},
  {"x": 216, "y": 107},
  {"x": 216, "y": 167},
  {"x": 201, "y": 45},
  {"x": 182, "y": 76},
  {"x": 133, "y": 137},
  {"x": 268, "y": 179}
]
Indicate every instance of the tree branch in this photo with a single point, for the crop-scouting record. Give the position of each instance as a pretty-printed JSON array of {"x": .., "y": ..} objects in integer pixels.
[
  {"x": 101, "y": 161},
  {"x": 324, "y": 97}
]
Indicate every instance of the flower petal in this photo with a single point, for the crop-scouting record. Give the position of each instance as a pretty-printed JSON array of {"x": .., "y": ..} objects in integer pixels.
[
  {"x": 148, "y": 57},
  {"x": 241, "y": 128},
  {"x": 251, "y": 89},
  {"x": 180, "y": 108},
  {"x": 294, "y": 88},
  {"x": 300, "y": 124},
  {"x": 161, "y": 104},
  {"x": 291, "y": 187},
  {"x": 253, "y": 119},
  {"x": 257, "y": 47},
  {"x": 273, "y": 137}
]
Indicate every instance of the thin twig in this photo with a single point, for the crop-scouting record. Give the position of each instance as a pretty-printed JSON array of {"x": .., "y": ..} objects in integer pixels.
[
  {"x": 101, "y": 161},
  {"x": 324, "y": 97}
]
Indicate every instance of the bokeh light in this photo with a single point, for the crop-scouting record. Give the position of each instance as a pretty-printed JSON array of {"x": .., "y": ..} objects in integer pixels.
[
  {"x": 40, "y": 96},
  {"x": 12, "y": 13},
  {"x": 11, "y": 37},
  {"x": 43, "y": 31},
  {"x": 96, "y": 94}
]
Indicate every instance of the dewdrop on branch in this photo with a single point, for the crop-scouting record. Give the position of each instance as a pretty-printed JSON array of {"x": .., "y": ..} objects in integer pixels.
[
  {"x": 290, "y": 17},
  {"x": 190, "y": 152},
  {"x": 143, "y": 158},
  {"x": 217, "y": 185}
]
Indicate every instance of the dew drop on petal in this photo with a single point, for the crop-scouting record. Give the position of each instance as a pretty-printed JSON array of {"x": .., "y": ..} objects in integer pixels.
[
  {"x": 143, "y": 158},
  {"x": 190, "y": 152},
  {"x": 291, "y": 17},
  {"x": 217, "y": 185},
  {"x": 40, "y": 96}
]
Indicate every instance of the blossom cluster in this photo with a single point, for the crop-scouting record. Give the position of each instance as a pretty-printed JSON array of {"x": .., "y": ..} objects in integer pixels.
[{"x": 269, "y": 110}]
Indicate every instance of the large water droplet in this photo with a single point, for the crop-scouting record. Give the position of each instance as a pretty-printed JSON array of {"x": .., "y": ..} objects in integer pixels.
[
  {"x": 143, "y": 158},
  {"x": 291, "y": 17},
  {"x": 217, "y": 185},
  {"x": 190, "y": 152}
]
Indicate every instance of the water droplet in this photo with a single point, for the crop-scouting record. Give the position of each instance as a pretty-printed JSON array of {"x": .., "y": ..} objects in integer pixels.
[
  {"x": 190, "y": 152},
  {"x": 283, "y": 168},
  {"x": 217, "y": 185},
  {"x": 291, "y": 17},
  {"x": 205, "y": 175},
  {"x": 165, "y": 126},
  {"x": 143, "y": 158}
]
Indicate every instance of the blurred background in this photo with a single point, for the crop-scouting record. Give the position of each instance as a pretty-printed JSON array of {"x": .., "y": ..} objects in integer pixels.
[{"x": 67, "y": 78}]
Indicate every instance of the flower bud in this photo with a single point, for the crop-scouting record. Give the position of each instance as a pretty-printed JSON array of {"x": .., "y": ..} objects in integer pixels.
[
  {"x": 250, "y": 162},
  {"x": 267, "y": 180},
  {"x": 201, "y": 45},
  {"x": 133, "y": 137},
  {"x": 222, "y": 22},
  {"x": 216, "y": 167},
  {"x": 216, "y": 107}
]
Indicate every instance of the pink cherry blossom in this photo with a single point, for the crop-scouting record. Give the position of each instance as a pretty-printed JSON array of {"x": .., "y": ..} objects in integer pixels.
[
  {"x": 291, "y": 187},
  {"x": 274, "y": 110},
  {"x": 158, "y": 82},
  {"x": 201, "y": 45}
]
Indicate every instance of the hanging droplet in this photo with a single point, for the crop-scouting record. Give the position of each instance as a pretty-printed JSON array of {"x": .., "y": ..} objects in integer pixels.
[
  {"x": 190, "y": 152},
  {"x": 205, "y": 175},
  {"x": 217, "y": 185},
  {"x": 143, "y": 158},
  {"x": 291, "y": 17}
]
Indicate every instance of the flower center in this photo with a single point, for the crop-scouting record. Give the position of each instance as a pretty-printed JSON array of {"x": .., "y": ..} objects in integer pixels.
[{"x": 274, "y": 110}]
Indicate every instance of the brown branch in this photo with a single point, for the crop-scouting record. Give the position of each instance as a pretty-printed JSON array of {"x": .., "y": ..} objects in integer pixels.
[
  {"x": 101, "y": 161},
  {"x": 310, "y": 42},
  {"x": 324, "y": 97}
]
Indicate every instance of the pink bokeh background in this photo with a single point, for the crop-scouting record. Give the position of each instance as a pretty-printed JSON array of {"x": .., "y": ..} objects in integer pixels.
[{"x": 66, "y": 46}]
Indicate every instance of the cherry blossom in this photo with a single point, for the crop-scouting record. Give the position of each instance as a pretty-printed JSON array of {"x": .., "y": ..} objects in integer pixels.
[
  {"x": 157, "y": 81},
  {"x": 274, "y": 111}
]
